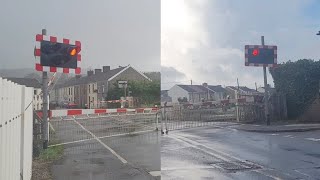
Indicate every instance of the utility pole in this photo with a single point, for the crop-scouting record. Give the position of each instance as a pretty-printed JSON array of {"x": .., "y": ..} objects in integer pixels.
[
  {"x": 266, "y": 108},
  {"x": 256, "y": 86},
  {"x": 192, "y": 93},
  {"x": 237, "y": 96},
  {"x": 45, "y": 134}
]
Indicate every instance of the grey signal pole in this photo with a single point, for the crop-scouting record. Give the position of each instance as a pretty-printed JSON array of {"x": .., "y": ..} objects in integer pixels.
[
  {"x": 45, "y": 135},
  {"x": 266, "y": 108}
]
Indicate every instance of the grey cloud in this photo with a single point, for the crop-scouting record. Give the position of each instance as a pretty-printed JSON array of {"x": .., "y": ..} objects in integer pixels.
[
  {"x": 112, "y": 32},
  {"x": 171, "y": 76}
]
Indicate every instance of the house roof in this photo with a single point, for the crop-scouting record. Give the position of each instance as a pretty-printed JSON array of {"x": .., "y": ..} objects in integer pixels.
[
  {"x": 217, "y": 88},
  {"x": 93, "y": 78},
  {"x": 103, "y": 76},
  {"x": 125, "y": 68},
  {"x": 193, "y": 88},
  {"x": 243, "y": 88},
  {"x": 25, "y": 81}
]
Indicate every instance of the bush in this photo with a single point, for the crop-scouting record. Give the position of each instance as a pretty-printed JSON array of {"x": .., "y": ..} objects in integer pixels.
[{"x": 299, "y": 81}]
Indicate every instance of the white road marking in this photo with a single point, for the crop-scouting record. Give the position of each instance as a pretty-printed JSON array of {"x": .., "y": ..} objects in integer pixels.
[
  {"x": 274, "y": 134},
  {"x": 71, "y": 142},
  {"x": 187, "y": 168},
  {"x": 312, "y": 139},
  {"x": 302, "y": 173},
  {"x": 103, "y": 144},
  {"x": 288, "y": 136},
  {"x": 268, "y": 175},
  {"x": 195, "y": 144},
  {"x": 101, "y": 137},
  {"x": 155, "y": 173}
]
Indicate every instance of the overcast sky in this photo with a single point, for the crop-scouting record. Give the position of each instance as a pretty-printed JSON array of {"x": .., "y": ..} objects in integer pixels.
[
  {"x": 112, "y": 32},
  {"x": 204, "y": 40}
]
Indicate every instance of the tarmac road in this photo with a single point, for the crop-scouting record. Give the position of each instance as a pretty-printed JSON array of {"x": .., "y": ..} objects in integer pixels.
[
  {"x": 223, "y": 152},
  {"x": 134, "y": 156}
]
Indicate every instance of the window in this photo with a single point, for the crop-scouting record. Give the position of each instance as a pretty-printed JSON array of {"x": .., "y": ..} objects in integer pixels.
[
  {"x": 93, "y": 87},
  {"x": 89, "y": 88},
  {"x": 35, "y": 92}
]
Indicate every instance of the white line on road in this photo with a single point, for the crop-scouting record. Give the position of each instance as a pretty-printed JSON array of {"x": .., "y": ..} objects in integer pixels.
[
  {"x": 155, "y": 173},
  {"x": 274, "y": 134},
  {"x": 196, "y": 145},
  {"x": 302, "y": 173},
  {"x": 72, "y": 142},
  {"x": 102, "y": 137},
  {"x": 268, "y": 175},
  {"x": 103, "y": 144},
  {"x": 289, "y": 136},
  {"x": 312, "y": 139},
  {"x": 192, "y": 167}
]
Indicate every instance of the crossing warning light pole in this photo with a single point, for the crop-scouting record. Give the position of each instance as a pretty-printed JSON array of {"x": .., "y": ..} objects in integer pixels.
[
  {"x": 266, "y": 107},
  {"x": 54, "y": 54},
  {"x": 262, "y": 56},
  {"x": 45, "y": 133}
]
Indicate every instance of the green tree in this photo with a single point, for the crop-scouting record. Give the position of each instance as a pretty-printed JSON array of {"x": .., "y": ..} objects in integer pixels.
[
  {"x": 147, "y": 92},
  {"x": 299, "y": 81}
]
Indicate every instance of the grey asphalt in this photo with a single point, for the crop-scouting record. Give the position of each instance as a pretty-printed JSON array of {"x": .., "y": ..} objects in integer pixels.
[
  {"x": 99, "y": 159},
  {"x": 223, "y": 152}
]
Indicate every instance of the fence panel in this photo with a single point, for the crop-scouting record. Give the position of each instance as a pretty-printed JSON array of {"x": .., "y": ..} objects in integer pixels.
[
  {"x": 173, "y": 118},
  {"x": 74, "y": 129},
  {"x": 15, "y": 131}
]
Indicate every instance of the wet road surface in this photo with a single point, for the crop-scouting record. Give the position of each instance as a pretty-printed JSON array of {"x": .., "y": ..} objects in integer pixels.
[
  {"x": 222, "y": 152},
  {"x": 102, "y": 156}
]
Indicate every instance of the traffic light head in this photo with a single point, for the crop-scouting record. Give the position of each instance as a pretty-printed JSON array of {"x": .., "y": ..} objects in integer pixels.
[{"x": 59, "y": 54}]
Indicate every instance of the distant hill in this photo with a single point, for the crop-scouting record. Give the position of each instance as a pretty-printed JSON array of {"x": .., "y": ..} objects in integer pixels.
[
  {"x": 31, "y": 73},
  {"x": 18, "y": 73}
]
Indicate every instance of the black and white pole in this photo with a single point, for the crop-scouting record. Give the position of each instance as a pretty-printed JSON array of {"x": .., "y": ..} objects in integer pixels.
[
  {"x": 45, "y": 134},
  {"x": 266, "y": 108}
]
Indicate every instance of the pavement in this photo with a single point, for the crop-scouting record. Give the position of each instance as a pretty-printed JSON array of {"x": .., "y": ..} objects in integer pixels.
[
  {"x": 224, "y": 152},
  {"x": 100, "y": 150},
  {"x": 278, "y": 128}
]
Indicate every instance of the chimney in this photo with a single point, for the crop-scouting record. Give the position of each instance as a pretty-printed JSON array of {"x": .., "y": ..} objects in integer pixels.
[
  {"x": 78, "y": 76},
  {"x": 97, "y": 71},
  {"x": 106, "y": 69},
  {"x": 205, "y": 84},
  {"x": 90, "y": 73}
]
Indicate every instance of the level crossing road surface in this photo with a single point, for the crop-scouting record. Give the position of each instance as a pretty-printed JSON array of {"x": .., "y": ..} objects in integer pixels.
[
  {"x": 107, "y": 148},
  {"x": 222, "y": 152}
]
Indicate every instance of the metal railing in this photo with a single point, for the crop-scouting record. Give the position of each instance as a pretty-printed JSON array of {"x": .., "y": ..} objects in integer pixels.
[
  {"x": 182, "y": 118},
  {"x": 16, "y": 116},
  {"x": 74, "y": 129}
]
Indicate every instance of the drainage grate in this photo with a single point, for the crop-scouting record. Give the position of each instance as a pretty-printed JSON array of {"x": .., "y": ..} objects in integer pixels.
[{"x": 236, "y": 166}]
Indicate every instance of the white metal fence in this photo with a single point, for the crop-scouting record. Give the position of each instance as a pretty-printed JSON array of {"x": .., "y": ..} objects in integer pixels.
[{"x": 16, "y": 116}]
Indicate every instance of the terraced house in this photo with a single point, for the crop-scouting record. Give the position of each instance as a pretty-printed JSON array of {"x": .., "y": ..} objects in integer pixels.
[{"x": 90, "y": 90}]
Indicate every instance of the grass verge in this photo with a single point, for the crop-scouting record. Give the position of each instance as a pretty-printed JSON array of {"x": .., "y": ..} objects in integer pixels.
[{"x": 41, "y": 166}]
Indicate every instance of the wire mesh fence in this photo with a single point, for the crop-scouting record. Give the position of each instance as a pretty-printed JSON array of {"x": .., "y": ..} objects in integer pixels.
[
  {"x": 71, "y": 129},
  {"x": 179, "y": 118}
]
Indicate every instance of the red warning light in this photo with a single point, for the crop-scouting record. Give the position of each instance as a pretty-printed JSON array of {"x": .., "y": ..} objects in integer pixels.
[{"x": 255, "y": 52}]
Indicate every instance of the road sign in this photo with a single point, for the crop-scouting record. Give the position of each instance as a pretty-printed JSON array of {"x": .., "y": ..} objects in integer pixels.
[
  {"x": 54, "y": 55},
  {"x": 260, "y": 55},
  {"x": 122, "y": 84}
]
